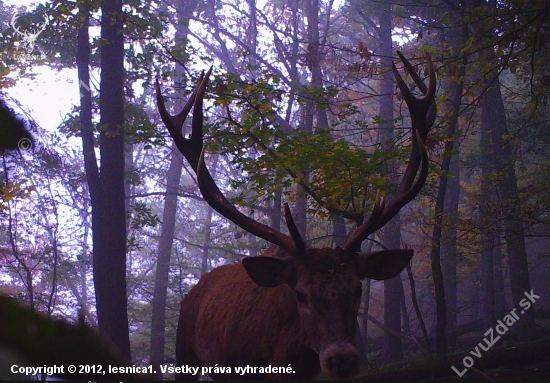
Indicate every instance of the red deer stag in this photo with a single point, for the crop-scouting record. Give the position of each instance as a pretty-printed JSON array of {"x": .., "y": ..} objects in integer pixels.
[{"x": 293, "y": 305}]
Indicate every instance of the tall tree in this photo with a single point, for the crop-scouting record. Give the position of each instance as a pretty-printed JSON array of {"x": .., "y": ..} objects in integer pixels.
[
  {"x": 107, "y": 186},
  {"x": 455, "y": 38},
  {"x": 110, "y": 259},
  {"x": 502, "y": 152},
  {"x": 504, "y": 165},
  {"x": 160, "y": 293},
  {"x": 486, "y": 216},
  {"x": 158, "y": 311},
  {"x": 391, "y": 233}
]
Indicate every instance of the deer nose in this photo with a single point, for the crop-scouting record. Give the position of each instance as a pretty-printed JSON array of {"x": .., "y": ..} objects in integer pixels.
[{"x": 343, "y": 366}]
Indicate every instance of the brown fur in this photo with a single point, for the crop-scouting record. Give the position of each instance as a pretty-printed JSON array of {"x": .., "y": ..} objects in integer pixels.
[{"x": 228, "y": 320}]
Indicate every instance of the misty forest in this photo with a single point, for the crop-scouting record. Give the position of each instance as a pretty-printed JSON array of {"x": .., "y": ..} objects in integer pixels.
[{"x": 310, "y": 133}]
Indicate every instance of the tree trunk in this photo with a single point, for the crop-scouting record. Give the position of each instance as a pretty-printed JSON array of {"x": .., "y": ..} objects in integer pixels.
[
  {"x": 405, "y": 320},
  {"x": 339, "y": 237},
  {"x": 391, "y": 233},
  {"x": 435, "y": 256},
  {"x": 449, "y": 251},
  {"x": 393, "y": 289},
  {"x": 315, "y": 55},
  {"x": 311, "y": 107},
  {"x": 366, "y": 303},
  {"x": 109, "y": 209},
  {"x": 500, "y": 299},
  {"x": 339, "y": 234},
  {"x": 208, "y": 223},
  {"x": 416, "y": 307},
  {"x": 86, "y": 132},
  {"x": 275, "y": 216},
  {"x": 444, "y": 250},
  {"x": 502, "y": 153},
  {"x": 503, "y": 162},
  {"x": 158, "y": 314},
  {"x": 107, "y": 190},
  {"x": 487, "y": 222}
]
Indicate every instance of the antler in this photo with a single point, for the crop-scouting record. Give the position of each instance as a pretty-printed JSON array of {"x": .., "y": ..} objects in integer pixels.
[
  {"x": 193, "y": 150},
  {"x": 422, "y": 111}
]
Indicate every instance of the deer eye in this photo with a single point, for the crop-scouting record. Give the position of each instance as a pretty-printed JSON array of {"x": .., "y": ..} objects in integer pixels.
[{"x": 301, "y": 297}]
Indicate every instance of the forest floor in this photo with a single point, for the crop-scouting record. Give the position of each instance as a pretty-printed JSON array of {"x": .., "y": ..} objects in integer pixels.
[{"x": 520, "y": 362}]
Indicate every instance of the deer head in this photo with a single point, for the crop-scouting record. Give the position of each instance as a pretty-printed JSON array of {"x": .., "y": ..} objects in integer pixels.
[{"x": 325, "y": 282}]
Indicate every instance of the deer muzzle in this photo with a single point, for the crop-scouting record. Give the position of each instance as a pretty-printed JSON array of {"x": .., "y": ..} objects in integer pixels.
[{"x": 340, "y": 361}]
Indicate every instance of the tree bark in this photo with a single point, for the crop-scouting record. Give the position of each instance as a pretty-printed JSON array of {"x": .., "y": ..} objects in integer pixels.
[
  {"x": 449, "y": 251},
  {"x": 390, "y": 234},
  {"x": 109, "y": 208},
  {"x": 366, "y": 303},
  {"x": 501, "y": 308},
  {"x": 208, "y": 223},
  {"x": 510, "y": 209},
  {"x": 158, "y": 314},
  {"x": 487, "y": 220},
  {"x": 311, "y": 107},
  {"x": 503, "y": 162},
  {"x": 393, "y": 290},
  {"x": 86, "y": 132}
]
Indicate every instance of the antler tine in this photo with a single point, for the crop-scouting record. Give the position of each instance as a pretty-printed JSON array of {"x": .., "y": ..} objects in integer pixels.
[
  {"x": 196, "y": 125},
  {"x": 295, "y": 234},
  {"x": 410, "y": 70},
  {"x": 193, "y": 150},
  {"x": 214, "y": 197},
  {"x": 409, "y": 193},
  {"x": 422, "y": 111},
  {"x": 174, "y": 124},
  {"x": 358, "y": 236}
]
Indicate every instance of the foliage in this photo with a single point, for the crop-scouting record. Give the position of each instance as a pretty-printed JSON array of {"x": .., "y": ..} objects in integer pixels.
[{"x": 342, "y": 174}]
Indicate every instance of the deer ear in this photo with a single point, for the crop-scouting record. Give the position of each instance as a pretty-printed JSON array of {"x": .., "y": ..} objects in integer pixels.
[
  {"x": 266, "y": 271},
  {"x": 383, "y": 264}
]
